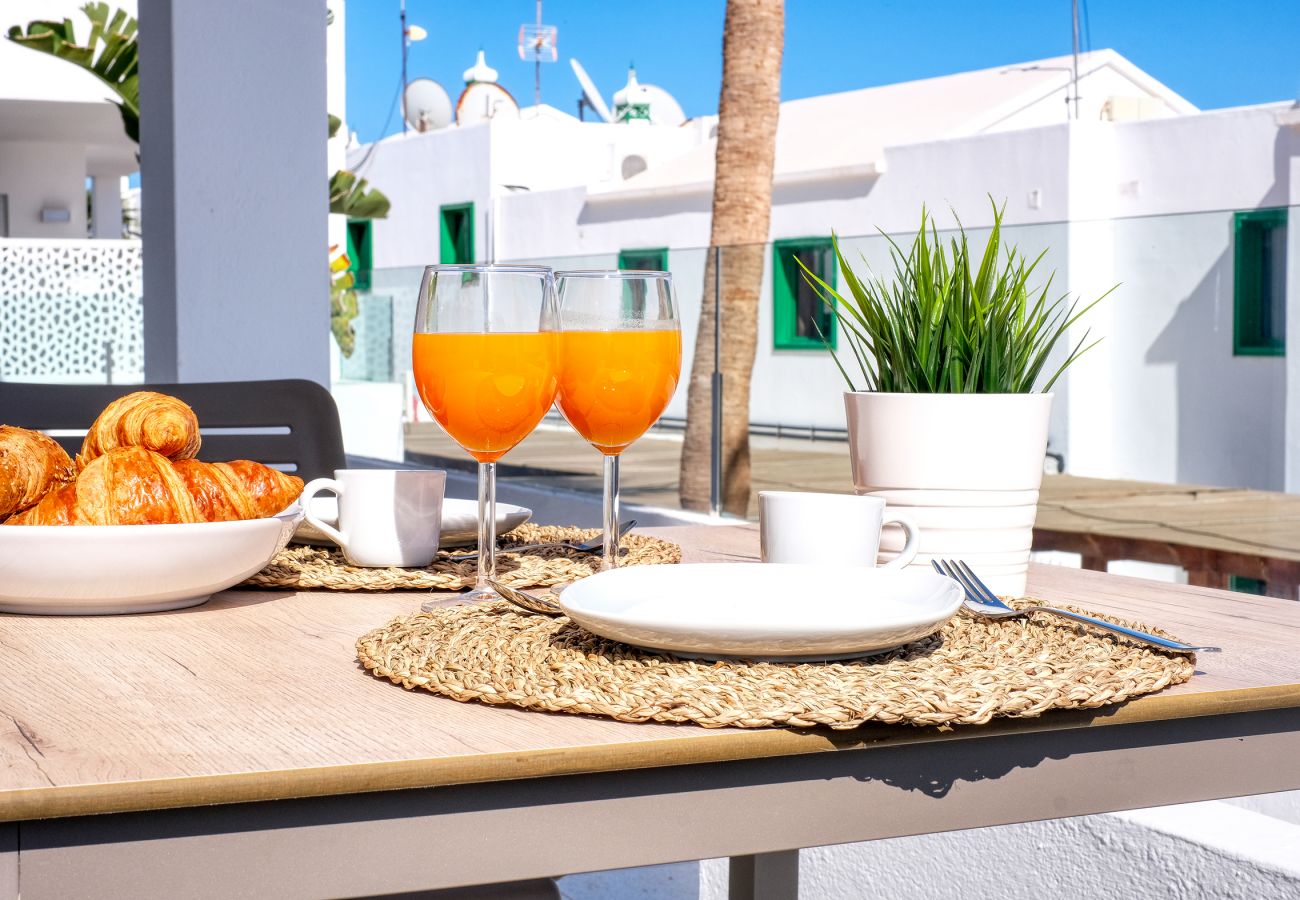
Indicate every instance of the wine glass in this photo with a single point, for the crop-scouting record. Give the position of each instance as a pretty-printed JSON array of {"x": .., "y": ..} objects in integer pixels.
[
  {"x": 620, "y": 359},
  {"x": 485, "y": 355}
]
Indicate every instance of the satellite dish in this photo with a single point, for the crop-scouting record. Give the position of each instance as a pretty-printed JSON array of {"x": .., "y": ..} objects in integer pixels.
[
  {"x": 589, "y": 92},
  {"x": 664, "y": 109},
  {"x": 426, "y": 105},
  {"x": 484, "y": 100}
]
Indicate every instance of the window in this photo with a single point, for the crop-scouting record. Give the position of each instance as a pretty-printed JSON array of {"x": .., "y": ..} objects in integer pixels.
[
  {"x": 1259, "y": 283},
  {"x": 457, "y": 233},
  {"x": 645, "y": 260},
  {"x": 800, "y": 313},
  {"x": 634, "y": 293},
  {"x": 4, "y": 215},
  {"x": 360, "y": 252}
]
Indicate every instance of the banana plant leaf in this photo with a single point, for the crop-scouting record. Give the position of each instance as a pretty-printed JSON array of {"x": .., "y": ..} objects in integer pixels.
[
  {"x": 111, "y": 53},
  {"x": 351, "y": 196}
]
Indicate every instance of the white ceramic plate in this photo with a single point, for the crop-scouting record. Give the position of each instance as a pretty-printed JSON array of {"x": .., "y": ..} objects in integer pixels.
[
  {"x": 459, "y": 521},
  {"x": 78, "y": 570},
  {"x": 789, "y": 613}
]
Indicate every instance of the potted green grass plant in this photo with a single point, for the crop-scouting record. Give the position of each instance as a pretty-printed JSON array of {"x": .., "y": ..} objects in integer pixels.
[{"x": 949, "y": 365}]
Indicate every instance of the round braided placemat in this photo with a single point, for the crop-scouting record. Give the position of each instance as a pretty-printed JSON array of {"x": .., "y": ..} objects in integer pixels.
[
  {"x": 304, "y": 568},
  {"x": 972, "y": 670}
]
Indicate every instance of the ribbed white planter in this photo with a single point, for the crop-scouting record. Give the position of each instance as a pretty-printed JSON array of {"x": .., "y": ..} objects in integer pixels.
[{"x": 967, "y": 466}]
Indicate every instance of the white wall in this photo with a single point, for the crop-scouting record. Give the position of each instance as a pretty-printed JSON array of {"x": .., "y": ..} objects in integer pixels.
[
  {"x": 1163, "y": 397},
  {"x": 420, "y": 173},
  {"x": 35, "y": 175}
]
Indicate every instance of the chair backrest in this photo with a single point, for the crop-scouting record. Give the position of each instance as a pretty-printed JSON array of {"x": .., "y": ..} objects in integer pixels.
[{"x": 290, "y": 424}]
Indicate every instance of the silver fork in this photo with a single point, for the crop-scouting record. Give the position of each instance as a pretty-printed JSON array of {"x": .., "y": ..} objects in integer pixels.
[
  {"x": 982, "y": 601},
  {"x": 588, "y": 546}
]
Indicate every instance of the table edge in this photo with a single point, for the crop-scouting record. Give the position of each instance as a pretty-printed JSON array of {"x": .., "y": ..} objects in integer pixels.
[{"x": 727, "y": 745}]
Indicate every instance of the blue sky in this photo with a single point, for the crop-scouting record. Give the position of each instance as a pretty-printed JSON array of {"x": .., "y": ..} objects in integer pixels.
[{"x": 1220, "y": 53}]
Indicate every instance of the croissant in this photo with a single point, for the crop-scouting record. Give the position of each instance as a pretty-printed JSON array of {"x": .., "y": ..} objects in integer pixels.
[
  {"x": 31, "y": 464},
  {"x": 157, "y": 422},
  {"x": 135, "y": 486}
]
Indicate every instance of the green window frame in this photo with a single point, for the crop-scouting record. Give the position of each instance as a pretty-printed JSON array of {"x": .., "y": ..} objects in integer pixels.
[
  {"x": 361, "y": 254},
  {"x": 456, "y": 233},
  {"x": 1259, "y": 283},
  {"x": 796, "y": 304},
  {"x": 654, "y": 259}
]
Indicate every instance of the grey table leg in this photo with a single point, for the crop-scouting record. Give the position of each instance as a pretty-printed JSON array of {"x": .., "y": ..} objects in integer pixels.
[
  {"x": 764, "y": 876},
  {"x": 8, "y": 862}
]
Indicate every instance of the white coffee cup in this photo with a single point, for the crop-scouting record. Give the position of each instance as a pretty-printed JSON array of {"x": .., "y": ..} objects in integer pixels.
[
  {"x": 387, "y": 517},
  {"x": 829, "y": 529}
]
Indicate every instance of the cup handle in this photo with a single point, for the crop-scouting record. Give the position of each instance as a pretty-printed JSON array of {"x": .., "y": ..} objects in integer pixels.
[
  {"x": 904, "y": 521},
  {"x": 309, "y": 493}
]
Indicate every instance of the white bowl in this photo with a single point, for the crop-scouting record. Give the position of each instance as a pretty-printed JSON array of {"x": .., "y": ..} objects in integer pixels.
[
  {"x": 763, "y": 610},
  {"x": 78, "y": 570}
]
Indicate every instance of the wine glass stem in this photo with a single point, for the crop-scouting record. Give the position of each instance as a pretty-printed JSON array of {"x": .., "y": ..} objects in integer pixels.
[
  {"x": 610, "y": 559},
  {"x": 487, "y": 524}
]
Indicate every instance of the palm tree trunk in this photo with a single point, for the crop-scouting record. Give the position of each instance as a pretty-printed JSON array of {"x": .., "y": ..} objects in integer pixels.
[{"x": 752, "y": 42}]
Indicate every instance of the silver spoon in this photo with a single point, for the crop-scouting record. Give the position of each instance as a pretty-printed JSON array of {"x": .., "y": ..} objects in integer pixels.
[
  {"x": 587, "y": 546},
  {"x": 530, "y": 602}
]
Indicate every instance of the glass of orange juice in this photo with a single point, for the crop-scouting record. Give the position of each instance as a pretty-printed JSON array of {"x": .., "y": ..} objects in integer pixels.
[
  {"x": 485, "y": 355},
  {"x": 620, "y": 360}
]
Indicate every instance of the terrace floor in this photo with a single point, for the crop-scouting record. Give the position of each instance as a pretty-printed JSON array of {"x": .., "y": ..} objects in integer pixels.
[{"x": 554, "y": 456}]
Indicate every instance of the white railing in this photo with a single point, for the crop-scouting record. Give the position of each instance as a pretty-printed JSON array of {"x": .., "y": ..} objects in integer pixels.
[{"x": 71, "y": 310}]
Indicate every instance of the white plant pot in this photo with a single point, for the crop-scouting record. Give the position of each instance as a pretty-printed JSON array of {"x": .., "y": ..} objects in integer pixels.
[{"x": 969, "y": 466}]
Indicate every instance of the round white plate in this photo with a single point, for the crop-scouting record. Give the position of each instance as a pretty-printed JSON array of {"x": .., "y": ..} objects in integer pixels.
[
  {"x": 79, "y": 570},
  {"x": 459, "y": 521},
  {"x": 788, "y": 613}
]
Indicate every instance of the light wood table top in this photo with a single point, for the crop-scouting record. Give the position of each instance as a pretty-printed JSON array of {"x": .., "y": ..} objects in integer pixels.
[{"x": 257, "y": 695}]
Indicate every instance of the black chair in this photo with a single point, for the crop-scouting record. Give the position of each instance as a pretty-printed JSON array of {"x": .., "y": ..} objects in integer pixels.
[{"x": 291, "y": 424}]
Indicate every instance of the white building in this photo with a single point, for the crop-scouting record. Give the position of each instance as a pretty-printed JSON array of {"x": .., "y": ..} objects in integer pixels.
[
  {"x": 1142, "y": 189},
  {"x": 56, "y": 131}
]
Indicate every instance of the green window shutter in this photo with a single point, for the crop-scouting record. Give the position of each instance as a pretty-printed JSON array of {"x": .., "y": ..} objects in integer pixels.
[
  {"x": 1259, "y": 283},
  {"x": 361, "y": 251},
  {"x": 654, "y": 260},
  {"x": 456, "y": 233},
  {"x": 800, "y": 318}
]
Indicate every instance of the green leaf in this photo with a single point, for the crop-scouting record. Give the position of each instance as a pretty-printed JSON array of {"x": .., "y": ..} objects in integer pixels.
[
  {"x": 352, "y": 197},
  {"x": 111, "y": 53}
]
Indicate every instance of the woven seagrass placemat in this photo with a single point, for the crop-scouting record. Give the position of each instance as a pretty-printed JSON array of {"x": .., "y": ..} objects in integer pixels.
[
  {"x": 969, "y": 672},
  {"x": 304, "y": 568}
]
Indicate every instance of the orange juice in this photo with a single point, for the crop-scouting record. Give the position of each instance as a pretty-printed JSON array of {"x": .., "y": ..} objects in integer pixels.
[
  {"x": 488, "y": 391},
  {"x": 615, "y": 384}
]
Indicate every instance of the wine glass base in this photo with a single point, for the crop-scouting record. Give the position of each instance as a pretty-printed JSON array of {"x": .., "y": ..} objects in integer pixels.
[{"x": 478, "y": 595}]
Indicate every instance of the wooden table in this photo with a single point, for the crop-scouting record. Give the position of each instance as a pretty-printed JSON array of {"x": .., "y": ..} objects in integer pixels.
[
  {"x": 1213, "y": 533},
  {"x": 118, "y": 734}
]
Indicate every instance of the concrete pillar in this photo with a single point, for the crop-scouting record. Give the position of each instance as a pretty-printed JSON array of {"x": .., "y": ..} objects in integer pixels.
[
  {"x": 233, "y": 177},
  {"x": 106, "y": 206}
]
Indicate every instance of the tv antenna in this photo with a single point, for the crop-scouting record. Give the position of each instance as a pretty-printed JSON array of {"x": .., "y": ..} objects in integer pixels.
[
  {"x": 426, "y": 105},
  {"x": 537, "y": 42},
  {"x": 409, "y": 34},
  {"x": 590, "y": 95}
]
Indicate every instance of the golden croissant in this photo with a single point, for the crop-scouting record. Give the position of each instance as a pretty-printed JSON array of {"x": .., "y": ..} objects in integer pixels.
[
  {"x": 136, "y": 486},
  {"x": 146, "y": 419},
  {"x": 31, "y": 465}
]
